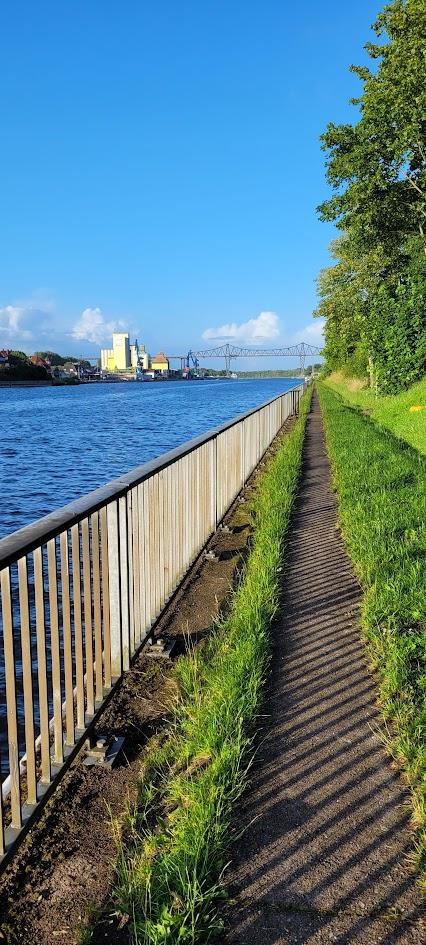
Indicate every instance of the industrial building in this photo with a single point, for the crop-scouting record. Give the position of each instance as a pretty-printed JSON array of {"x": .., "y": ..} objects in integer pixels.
[
  {"x": 126, "y": 358},
  {"x": 160, "y": 363}
]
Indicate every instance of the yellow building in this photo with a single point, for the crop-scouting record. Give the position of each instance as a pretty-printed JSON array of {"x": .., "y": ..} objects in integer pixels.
[
  {"x": 129, "y": 358},
  {"x": 121, "y": 348},
  {"x": 160, "y": 363},
  {"x": 120, "y": 357},
  {"x": 107, "y": 359}
]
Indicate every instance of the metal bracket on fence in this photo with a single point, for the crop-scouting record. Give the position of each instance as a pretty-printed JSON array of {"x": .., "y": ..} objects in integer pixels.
[{"x": 105, "y": 752}]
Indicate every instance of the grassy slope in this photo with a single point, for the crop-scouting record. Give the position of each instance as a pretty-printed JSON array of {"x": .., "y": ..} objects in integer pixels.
[
  {"x": 392, "y": 412},
  {"x": 381, "y": 487},
  {"x": 169, "y": 868}
]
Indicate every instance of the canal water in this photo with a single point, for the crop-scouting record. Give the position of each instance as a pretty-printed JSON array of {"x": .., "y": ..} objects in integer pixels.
[{"x": 61, "y": 442}]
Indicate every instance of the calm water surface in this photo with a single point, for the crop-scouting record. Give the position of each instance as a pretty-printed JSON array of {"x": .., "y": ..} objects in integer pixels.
[{"x": 59, "y": 443}]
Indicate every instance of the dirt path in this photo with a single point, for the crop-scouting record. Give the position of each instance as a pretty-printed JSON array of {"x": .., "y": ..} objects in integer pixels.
[{"x": 323, "y": 855}]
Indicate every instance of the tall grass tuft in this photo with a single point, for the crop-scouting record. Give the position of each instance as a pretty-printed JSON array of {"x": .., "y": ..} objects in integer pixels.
[
  {"x": 381, "y": 487},
  {"x": 170, "y": 867}
]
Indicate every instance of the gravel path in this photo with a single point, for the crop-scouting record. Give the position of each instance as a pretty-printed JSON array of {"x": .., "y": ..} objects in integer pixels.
[{"x": 322, "y": 857}]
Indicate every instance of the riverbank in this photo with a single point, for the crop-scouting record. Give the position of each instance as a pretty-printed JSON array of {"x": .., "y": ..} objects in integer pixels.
[
  {"x": 63, "y": 874},
  {"x": 5, "y": 384},
  {"x": 327, "y": 853}
]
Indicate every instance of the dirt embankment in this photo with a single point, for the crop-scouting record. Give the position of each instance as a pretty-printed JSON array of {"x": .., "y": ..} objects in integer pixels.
[{"x": 63, "y": 872}]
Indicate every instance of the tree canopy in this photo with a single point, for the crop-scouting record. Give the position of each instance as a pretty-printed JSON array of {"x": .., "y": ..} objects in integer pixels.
[{"x": 374, "y": 296}]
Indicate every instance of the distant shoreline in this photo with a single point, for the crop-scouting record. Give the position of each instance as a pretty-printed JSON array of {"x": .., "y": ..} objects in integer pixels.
[
  {"x": 21, "y": 383},
  {"x": 54, "y": 383}
]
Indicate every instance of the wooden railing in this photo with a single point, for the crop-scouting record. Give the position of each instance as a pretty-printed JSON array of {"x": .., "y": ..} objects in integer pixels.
[{"x": 82, "y": 588}]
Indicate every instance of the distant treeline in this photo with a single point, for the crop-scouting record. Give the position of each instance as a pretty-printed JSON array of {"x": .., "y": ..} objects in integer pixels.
[
  {"x": 373, "y": 298},
  {"x": 289, "y": 372},
  {"x": 20, "y": 368},
  {"x": 59, "y": 360}
]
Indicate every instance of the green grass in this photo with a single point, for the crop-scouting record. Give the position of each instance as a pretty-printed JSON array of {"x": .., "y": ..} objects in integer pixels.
[
  {"x": 175, "y": 843},
  {"x": 381, "y": 487},
  {"x": 392, "y": 411}
]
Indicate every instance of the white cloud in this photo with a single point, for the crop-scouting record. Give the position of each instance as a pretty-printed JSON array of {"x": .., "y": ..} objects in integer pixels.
[
  {"x": 92, "y": 326},
  {"x": 13, "y": 322},
  {"x": 266, "y": 325},
  {"x": 22, "y": 322},
  {"x": 313, "y": 333}
]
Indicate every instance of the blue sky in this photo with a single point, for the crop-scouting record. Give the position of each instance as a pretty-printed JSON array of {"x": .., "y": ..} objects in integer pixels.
[{"x": 160, "y": 167}]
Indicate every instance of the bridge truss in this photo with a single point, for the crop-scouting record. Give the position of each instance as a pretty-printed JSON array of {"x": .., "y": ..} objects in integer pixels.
[{"x": 229, "y": 352}]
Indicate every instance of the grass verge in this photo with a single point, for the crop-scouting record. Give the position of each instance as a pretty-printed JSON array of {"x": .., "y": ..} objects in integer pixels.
[
  {"x": 176, "y": 842},
  {"x": 381, "y": 488},
  {"x": 395, "y": 412}
]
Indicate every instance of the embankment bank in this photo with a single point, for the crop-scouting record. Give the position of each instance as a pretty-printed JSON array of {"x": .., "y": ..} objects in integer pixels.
[
  {"x": 6, "y": 384},
  {"x": 404, "y": 414},
  {"x": 48, "y": 891},
  {"x": 349, "y": 843}
]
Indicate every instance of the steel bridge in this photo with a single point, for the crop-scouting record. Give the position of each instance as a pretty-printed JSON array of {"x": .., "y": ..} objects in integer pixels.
[{"x": 229, "y": 352}]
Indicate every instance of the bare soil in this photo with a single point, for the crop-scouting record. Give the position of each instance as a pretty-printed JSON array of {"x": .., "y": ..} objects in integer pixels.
[{"x": 61, "y": 876}]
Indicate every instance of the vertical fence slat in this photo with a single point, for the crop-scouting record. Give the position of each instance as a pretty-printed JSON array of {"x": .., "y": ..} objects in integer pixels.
[
  {"x": 180, "y": 517},
  {"x": 52, "y": 571},
  {"x": 170, "y": 532},
  {"x": 187, "y": 512},
  {"x": 124, "y": 583},
  {"x": 114, "y": 589},
  {"x": 87, "y": 611},
  {"x": 78, "y": 628},
  {"x": 105, "y": 599},
  {"x": 130, "y": 576},
  {"x": 152, "y": 548},
  {"x": 67, "y": 642},
  {"x": 43, "y": 703},
  {"x": 146, "y": 589},
  {"x": 191, "y": 503},
  {"x": 136, "y": 567},
  {"x": 161, "y": 540},
  {"x": 97, "y": 607},
  {"x": 27, "y": 681},
  {"x": 12, "y": 714},
  {"x": 143, "y": 590}
]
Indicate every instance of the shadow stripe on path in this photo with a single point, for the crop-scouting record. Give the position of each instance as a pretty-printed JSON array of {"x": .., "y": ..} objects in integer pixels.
[{"x": 322, "y": 856}]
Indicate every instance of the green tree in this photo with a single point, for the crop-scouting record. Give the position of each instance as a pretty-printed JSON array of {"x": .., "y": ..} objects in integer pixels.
[
  {"x": 21, "y": 368},
  {"x": 377, "y": 170},
  {"x": 52, "y": 356}
]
